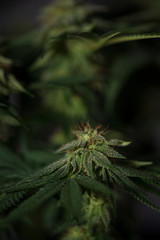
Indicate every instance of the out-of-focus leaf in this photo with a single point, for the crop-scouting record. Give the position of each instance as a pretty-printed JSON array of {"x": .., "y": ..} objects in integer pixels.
[
  {"x": 5, "y": 61},
  {"x": 135, "y": 37},
  {"x": 14, "y": 85},
  {"x": 7, "y": 118}
]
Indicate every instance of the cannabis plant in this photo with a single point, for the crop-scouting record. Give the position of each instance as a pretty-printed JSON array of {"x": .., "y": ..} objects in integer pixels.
[
  {"x": 84, "y": 180},
  {"x": 51, "y": 80}
]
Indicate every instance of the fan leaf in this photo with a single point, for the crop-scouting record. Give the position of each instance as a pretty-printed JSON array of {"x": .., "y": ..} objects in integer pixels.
[
  {"x": 71, "y": 198},
  {"x": 34, "y": 201}
]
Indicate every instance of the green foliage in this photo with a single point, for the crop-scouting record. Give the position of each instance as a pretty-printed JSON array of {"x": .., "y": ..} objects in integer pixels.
[
  {"x": 9, "y": 85},
  {"x": 11, "y": 199},
  {"x": 79, "y": 233},
  {"x": 96, "y": 212},
  {"x": 72, "y": 177},
  {"x": 34, "y": 201},
  {"x": 13, "y": 166},
  {"x": 71, "y": 66},
  {"x": 71, "y": 198}
]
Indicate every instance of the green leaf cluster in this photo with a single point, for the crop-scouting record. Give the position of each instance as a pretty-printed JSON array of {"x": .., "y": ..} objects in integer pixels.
[
  {"x": 68, "y": 65},
  {"x": 84, "y": 179}
]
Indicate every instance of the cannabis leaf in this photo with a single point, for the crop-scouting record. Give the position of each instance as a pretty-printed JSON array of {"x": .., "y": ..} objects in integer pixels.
[
  {"x": 71, "y": 198},
  {"x": 90, "y": 164},
  {"x": 34, "y": 201},
  {"x": 97, "y": 159}
]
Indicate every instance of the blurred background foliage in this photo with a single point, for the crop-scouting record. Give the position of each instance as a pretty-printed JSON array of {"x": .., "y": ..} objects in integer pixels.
[{"x": 50, "y": 81}]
